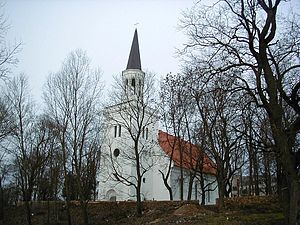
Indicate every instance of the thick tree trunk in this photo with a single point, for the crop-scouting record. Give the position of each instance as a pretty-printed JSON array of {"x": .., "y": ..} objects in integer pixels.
[
  {"x": 203, "y": 191},
  {"x": 294, "y": 190},
  {"x": 28, "y": 212},
  {"x": 221, "y": 191},
  {"x": 169, "y": 189},
  {"x": 139, "y": 208},
  {"x": 68, "y": 212},
  {"x": 170, "y": 193},
  {"x": 190, "y": 189},
  {"x": 84, "y": 211},
  {"x": 203, "y": 198},
  {"x": 165, "y": 179},
  {"x": 283, "y": 146}
]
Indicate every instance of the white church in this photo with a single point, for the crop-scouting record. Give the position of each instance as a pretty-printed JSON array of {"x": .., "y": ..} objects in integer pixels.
[{"x": 137, "y": 155}]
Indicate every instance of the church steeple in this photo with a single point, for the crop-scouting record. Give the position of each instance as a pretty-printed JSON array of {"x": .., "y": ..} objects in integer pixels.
[
  {"x": 134, "y": 60},
  {"x": 133, "y": 76}
]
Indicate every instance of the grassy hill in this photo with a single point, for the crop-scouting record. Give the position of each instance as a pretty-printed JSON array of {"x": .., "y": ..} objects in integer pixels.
[{"x": 238, "y": 211}]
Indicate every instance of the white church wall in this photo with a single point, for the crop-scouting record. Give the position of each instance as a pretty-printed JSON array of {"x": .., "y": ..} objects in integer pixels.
[
  {"x": 124, "y": 163},
  {"x": 160, "y": 192},
  {"x": 210, "y": 197}
]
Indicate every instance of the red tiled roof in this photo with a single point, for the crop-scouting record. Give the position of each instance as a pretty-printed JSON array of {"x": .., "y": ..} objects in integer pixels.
[{"x": 192, "y": 155}]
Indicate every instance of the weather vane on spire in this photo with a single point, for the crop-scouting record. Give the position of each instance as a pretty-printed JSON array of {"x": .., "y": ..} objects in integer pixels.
[{"x": 136, "y": 24}]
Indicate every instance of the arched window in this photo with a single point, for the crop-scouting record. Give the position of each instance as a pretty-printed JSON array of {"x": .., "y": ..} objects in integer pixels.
[
  {"x": 146, "y": 133},
  {"x": 116, "y": 129},
  {"x": 133, "y": 84},
  {"x": 126, "y": 85},
  {"x": 119, "y": 130},
  {"x": 111, "y": 195},
  {"x": 140, "y": 86}
]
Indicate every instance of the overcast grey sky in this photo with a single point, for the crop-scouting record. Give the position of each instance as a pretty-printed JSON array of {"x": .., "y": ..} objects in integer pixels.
[{"x": 50, "y": 29}]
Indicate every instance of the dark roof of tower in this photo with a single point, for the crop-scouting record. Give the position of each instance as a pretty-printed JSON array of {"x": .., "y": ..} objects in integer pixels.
[{"x": 134, "y": 61}]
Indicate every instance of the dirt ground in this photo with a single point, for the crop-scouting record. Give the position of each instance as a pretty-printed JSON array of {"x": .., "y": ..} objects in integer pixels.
[{"x": 238, "y": 211}]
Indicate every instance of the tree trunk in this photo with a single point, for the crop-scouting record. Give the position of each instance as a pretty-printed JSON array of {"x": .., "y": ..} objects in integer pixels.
[
  {"x": 256, "y": 175},
  {"x": 165, "y": 179},
  {"x": 83, "y": 206},
  {"x": 181, "y": 183},
  {"x": 203, "y": 198},
  {"x": 221, "y": 190},
  {"x": 169, "y": 189},
  {"x": 190, "y": 189},
  {"x": 250, "y": 170},
  {"x": 48, "y": 211},
  {"x": 293, "y": 200},
  {"x": 1, "y": 202},
  {"x": 203, "y": 191},
  {"x": 283, "y": 146},
  {"x": 227, "y": 189},
  {"x": 68, "y": 212},
  {"x": 139, "y": 208},
  {"x": 28, "y": 212}
]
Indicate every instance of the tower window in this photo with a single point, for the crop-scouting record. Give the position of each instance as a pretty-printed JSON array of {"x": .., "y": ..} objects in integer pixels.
[
  {"x": 126, "y": 82},
  {"x": 146, "y": 133},
  {"x": 144, "y": 180},
  {"x": 133, "y": 84},
  {"x": 140, "y": 86},
  {"x": 116, "y": 129},
  {"x": 119, "y": 130}
]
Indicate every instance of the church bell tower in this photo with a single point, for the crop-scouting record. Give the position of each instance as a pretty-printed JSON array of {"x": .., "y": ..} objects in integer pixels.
[{"x": 133, "y": 76}]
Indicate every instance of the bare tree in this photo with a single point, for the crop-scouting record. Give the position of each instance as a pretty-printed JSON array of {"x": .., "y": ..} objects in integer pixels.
[
  {"x": 218, "y": 116},
  {"x": 6, "y": 129},
  {"x": 173, "y": 109},
  {"x": 7, "y": 53},
  {"x": 4, "y": 174},
  {"x": 72, "y": 98},
  {"x": 27, "y": 142},
  {"x": 133, "y": 113},
  {"x": 249, "y": 41},
  {"x": 7, "y": 59},
  {"x": 186, "y": 142}
]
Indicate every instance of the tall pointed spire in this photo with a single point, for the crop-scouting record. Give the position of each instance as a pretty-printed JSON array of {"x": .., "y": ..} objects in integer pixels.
[{"x": 134, "y": 61}]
